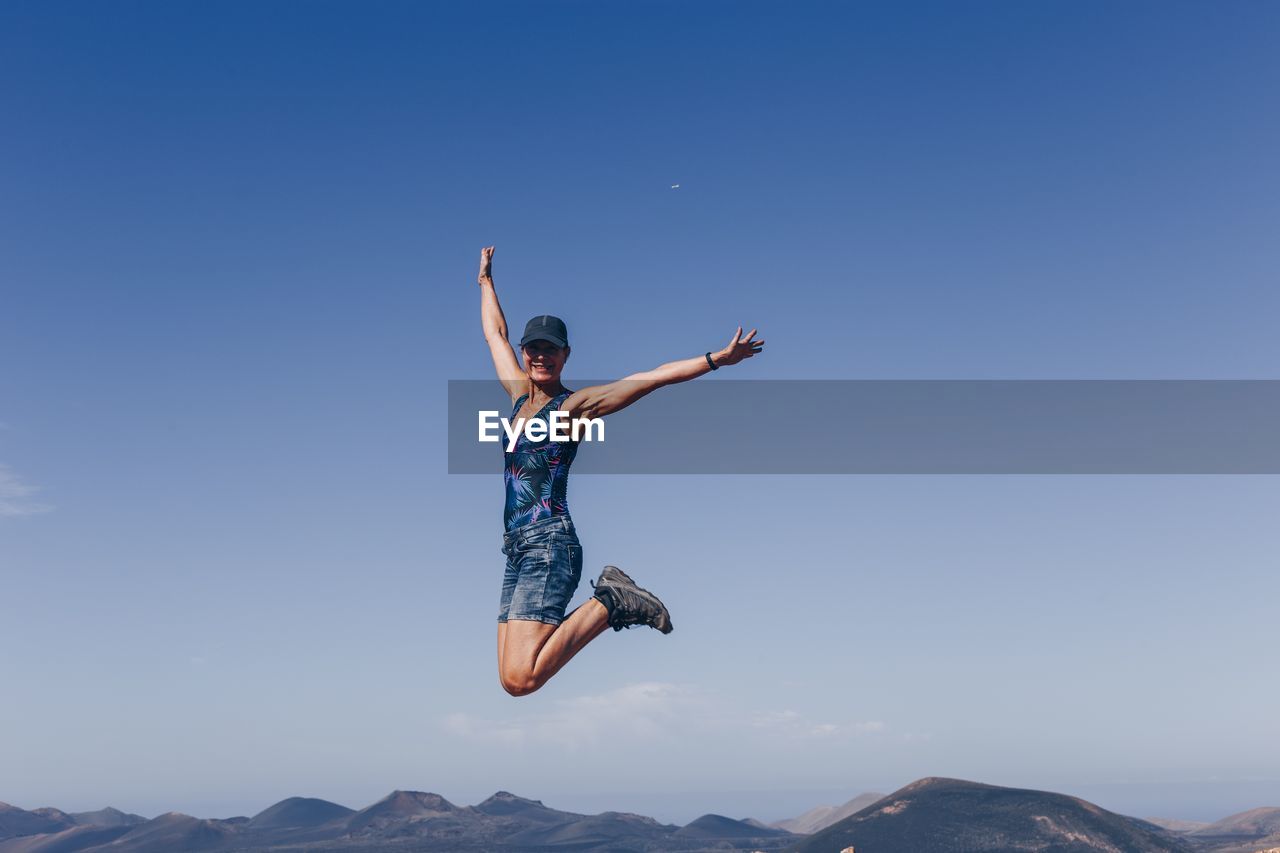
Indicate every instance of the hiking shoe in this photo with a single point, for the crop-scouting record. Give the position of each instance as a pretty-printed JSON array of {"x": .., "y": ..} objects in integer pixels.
[{"x": 628, "y": 604}]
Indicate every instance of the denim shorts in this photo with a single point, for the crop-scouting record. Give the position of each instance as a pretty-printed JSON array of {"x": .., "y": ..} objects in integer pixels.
[{"x": 544, "y": 566}]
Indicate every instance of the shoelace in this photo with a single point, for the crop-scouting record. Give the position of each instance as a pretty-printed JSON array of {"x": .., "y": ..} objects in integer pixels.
[
  {"x": 628, "y": 617},
  {"x": 618, "y": 618}
]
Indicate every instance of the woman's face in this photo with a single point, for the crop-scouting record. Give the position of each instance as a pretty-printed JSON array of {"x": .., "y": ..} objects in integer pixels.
[{"x": 543, "y": 360}]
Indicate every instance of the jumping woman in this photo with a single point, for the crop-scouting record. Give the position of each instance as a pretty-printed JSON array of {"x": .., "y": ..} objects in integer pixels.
[{"x": 544, "y": 557}]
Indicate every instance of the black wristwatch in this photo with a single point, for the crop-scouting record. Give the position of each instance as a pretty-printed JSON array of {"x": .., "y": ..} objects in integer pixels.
[{"x": 711, "y": 363}]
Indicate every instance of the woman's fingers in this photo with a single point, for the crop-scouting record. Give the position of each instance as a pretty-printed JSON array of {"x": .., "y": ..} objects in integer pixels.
[{"x": 747, "y": 346}]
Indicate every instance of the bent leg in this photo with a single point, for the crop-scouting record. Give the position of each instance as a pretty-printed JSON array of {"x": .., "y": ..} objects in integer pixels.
[
  {"x": 502, "y": 644},
  {"x": 529, "y": 652}
]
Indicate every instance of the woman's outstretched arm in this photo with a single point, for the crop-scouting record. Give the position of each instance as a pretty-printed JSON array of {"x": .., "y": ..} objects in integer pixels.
[
  {"x": 495, "y": 330},
  {"x": 600, "y": 400}
]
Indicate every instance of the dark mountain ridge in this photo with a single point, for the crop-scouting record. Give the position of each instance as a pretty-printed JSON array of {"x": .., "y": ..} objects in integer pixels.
[
  {"x": 936, "y": 815},
  {"x": 717, "y": 826},
  {"x": 400, "y": 807},
  {"x": 15, "y": 821},
  {"x": 299, "y": 812}
]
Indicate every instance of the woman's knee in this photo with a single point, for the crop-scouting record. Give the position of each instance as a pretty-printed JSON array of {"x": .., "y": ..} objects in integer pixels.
[{"x": 518, "y": 682}]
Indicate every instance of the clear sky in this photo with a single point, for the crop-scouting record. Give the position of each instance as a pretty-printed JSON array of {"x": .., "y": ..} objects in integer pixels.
[{"x": 237, "y": 263}]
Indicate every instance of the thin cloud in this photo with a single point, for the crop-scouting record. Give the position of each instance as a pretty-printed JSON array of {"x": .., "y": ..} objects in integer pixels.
[
  {"x": 646, "y": 712},
  {"x": 796, "y": 725},
  {"x": 15, "y": 496},
  {"x": 472, "y": 728}
]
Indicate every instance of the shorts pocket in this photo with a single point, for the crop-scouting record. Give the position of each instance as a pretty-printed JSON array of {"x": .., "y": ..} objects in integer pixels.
[
  {"x": 532, "y": 574},
  {"x": 564, "y": 573}
]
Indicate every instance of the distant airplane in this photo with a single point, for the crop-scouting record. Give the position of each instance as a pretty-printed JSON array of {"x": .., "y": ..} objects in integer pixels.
[{"x": 675, "y": 186}]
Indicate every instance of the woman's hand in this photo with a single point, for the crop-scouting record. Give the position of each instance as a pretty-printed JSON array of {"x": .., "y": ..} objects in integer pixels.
[
  {"x": 738, "y": 349},
  {"x": 486, "y": 264}
]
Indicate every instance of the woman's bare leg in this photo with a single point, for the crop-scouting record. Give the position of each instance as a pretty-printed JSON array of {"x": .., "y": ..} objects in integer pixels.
[{"x": 529, "y": 652}]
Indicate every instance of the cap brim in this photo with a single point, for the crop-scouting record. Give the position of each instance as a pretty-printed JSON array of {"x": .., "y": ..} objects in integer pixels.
[{"x": 560, "y": 342}]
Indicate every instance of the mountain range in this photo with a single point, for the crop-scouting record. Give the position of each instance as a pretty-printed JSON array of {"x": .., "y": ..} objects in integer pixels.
[
  {"x": 403, "y": 820},
  {"x": 931, "y": 815}
]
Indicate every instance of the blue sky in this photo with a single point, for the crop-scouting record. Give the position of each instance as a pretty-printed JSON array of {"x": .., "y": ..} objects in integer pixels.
[{"x": 237, "y": 256}]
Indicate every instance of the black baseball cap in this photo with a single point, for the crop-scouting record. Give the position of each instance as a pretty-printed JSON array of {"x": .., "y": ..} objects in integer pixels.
[{"x": 546, "y": 328}]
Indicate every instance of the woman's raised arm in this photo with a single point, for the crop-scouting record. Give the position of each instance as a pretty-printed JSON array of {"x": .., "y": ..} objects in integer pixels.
[{"x": 506, "y": 364}]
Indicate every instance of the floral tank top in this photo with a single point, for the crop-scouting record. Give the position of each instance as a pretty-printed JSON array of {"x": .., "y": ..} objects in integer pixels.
[{"x": 537, "y": 473}]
